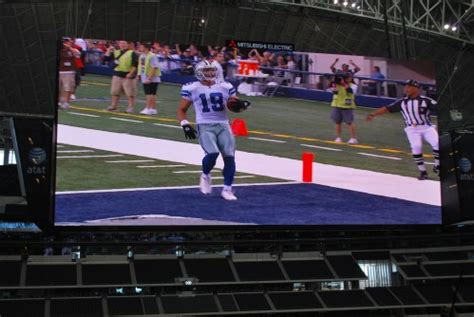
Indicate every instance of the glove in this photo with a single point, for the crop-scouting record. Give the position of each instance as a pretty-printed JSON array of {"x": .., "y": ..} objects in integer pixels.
[
  {"x": 189, "y": 131},
  {"x": 237, "y": 105}
]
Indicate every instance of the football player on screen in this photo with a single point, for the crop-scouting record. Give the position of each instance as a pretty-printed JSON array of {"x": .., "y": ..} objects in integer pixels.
[{"x": 210, "y": 100}]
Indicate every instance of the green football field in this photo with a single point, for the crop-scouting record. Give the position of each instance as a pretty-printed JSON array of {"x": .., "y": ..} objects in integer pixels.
[
  {"x": 277, "y": 126},
  {"x": 81, "y": 168}
]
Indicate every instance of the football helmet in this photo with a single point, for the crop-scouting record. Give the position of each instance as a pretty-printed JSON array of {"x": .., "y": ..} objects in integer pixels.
[{"x": 204, "y": 70}]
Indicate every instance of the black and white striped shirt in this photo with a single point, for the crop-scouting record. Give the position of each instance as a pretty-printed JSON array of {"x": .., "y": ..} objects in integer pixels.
[{"x": 415, "y": 111}]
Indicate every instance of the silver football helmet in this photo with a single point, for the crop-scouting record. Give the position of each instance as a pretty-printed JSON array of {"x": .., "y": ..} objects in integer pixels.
[{"x": 204, "y": 70}]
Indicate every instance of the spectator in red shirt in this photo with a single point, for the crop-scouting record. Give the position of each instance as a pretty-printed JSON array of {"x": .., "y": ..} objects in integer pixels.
[{"x": 78, "y": 61}]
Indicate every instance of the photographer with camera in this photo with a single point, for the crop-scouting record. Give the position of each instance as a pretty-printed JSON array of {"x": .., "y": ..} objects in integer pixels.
[
  {"x": 343, "y": 103},
  {"x": 67, "y": 72}
]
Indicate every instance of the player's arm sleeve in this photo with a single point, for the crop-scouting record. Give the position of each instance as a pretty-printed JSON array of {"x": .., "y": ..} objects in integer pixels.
[
  {"x": 186, "y": 93},
  {"x": 395, "y": 107},
  {"x": 231, "y": 90}
]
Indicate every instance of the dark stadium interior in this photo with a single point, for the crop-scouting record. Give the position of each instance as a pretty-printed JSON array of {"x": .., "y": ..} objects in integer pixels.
[{"x": 417, "y": 270}]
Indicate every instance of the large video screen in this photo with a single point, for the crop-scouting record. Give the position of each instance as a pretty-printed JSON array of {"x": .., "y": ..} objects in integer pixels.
[{"x": 328, "y": 139}]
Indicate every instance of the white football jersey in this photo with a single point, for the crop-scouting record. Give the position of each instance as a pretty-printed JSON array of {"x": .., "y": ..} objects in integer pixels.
[{"x": 209, "y": 101}]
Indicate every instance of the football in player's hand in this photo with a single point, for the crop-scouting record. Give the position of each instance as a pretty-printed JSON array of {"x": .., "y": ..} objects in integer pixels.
[{"x": 235, "y": 104}]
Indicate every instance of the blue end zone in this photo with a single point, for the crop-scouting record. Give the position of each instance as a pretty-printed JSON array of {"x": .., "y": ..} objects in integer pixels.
[{"x": 301, "y": 204}]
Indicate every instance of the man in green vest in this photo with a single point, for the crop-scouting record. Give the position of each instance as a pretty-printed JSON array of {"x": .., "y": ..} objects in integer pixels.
[
  {"x": 343, "y": 103},
  {"x": 124, "y": 63},
  {"x": 149, "y": 72}
]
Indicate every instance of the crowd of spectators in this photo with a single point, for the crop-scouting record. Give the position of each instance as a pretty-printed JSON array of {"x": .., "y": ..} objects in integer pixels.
[
  {"x": 181, "y": 58},
  {"x": 281, "y": 67}
]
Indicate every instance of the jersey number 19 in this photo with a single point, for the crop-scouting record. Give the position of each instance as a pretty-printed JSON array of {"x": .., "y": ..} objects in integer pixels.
[{"x": 216, "y": 100}]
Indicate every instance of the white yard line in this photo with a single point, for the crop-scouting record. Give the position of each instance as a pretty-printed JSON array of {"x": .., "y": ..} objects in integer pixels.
[
  {"x": 59, "y": 145},
  {"x": 127, "y": 120},
  {"x": 266, "y": 140},
  {"x": 119, "y": 190},
  {"x": 381, "y": 156},
  {"x": 375, "y": 183},
  {"x": 167, "y": 125},
  {"x": 321, "y": 147},
  {"x": 187, "y": 172},
  {"x": 429, "y": 163},
  {"x": 88, "y": 156},
  {"x": 131, "y": 161},
  {"x": 194, "y": 172},
  {"x": 83, "y": 114},
  {"x": 237, "y": 177},
  {"x": 160, "y": 166},
  {"x": 75, "y": 151}
]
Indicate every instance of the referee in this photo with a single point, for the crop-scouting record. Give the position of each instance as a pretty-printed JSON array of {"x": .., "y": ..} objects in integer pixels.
[{"x": 416, "y": 110}]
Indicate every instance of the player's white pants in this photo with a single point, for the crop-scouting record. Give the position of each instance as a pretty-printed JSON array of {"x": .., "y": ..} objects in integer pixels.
[{"x": 416, "y": 135}]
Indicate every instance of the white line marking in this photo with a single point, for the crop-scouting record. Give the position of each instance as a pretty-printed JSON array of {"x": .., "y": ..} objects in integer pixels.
[
  {"x": 381, "y": 156},
  {"x": 164, "y": 188},
  {"x": 240, "y": 176},
  {"x": 429, "y": 163},
  {"x": 59, "y": 145},
  {"x": 127, "y": 120},
  {"x": 88, "y": 156},
  {"x": 130, "y": 161},
  {"x": 321, "y": 147},
  {"x": 157, "y": 166},
  {"x": 167, "y": 125},
  {"x": 267, "y": 140},
  {"x": 84, "y": 114},
  {"x": 188, "y": 172},
  {"x": 75, "y": 151}
]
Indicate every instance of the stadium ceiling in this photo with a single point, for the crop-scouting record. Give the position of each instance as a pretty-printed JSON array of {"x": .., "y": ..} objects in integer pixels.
[{"x": 448, "y": 18}]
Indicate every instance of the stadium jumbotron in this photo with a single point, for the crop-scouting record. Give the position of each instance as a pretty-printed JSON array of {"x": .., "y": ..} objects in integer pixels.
[{"x": 213, "y": 158}]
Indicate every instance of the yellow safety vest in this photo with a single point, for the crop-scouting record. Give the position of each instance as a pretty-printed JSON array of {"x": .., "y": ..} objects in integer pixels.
[
  {"x": 343, "y": 99},
  {"x": 148, "y": 68},
  {"x": 125, "y": 61}
]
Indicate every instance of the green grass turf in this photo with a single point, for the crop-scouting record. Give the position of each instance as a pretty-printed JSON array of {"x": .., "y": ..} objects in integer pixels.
[
  {"x": 298, "y": 118},
  {"x": 71, "y": 173}
]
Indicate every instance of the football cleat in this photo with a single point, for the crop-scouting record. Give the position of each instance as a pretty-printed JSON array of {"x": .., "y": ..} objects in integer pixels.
[
  {"x": 436, "y": 169},
  {"x": 227, "y": 194},
  {"x": 352, "y": 141},
  {"x": 73, "y": 97},
  {"x": 205, "y": 184},
  {"x": 423, "y": 175},
  {"x": 129, "y": 110},
  {"x": 338, "y": 140},
  {"x": 152, "y": 111}
]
